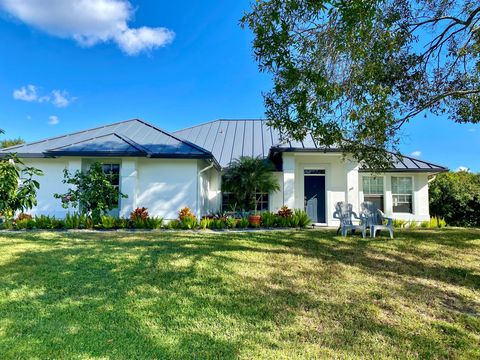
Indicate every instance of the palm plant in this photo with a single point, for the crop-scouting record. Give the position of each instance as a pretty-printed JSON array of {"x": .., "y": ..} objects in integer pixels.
[{"x": 246, "y": 177}]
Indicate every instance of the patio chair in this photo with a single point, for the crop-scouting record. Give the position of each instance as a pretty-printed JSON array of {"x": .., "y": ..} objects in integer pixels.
[
  {"x": 344, "y": 212},
  {"x": 375, "y": 220}
]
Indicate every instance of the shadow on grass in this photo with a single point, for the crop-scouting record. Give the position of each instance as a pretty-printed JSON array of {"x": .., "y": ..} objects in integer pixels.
[{"x": 179, "y": 296}]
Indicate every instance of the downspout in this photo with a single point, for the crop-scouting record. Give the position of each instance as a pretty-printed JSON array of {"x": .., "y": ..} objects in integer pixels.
[
  {"x": 431, "y": 179},
  {"x": 199, "y": 188}
]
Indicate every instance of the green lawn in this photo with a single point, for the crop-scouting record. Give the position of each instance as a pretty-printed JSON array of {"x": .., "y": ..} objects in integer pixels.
[{"x": 278, "y": 295}]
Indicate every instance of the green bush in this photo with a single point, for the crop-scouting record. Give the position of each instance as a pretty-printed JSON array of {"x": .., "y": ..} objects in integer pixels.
[
  {"x": 173, "y": 224},
  {"x": 107, "y": 222},
  {"x": 299, "y": 219},
  {"x": 46, "y": 222},
  {"x": 455, "y": 197},
  {"x": 268, "y": 219},
  {"x": 243, "y": 223},
  {"x": 425, "y": 224},
  {"x": 74, "y": 221},
  {"x": 398, "y": 223},
  {"x": 437, "y": 222},
  {"x": 122, "y": 223},
  {"x": 231, "y": 222},
  {"x": 154, "y": 223},
  {"x": 189, "y": 223},
  {"x": 205, "y": 223},
  {"x": 219, "y": 224},
  {"x": 25, "y": 224}
]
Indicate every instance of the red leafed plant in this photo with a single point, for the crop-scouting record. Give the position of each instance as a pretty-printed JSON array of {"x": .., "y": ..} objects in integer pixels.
[
  {"x": 139, "y": 213},
  {"x": 285, "y": 211},
  {"x": 185, "y": 213},
  {"x": 23, "y": 216}
]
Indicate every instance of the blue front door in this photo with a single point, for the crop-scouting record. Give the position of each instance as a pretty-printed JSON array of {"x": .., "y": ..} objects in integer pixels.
[{"x": 315, "y": 195}]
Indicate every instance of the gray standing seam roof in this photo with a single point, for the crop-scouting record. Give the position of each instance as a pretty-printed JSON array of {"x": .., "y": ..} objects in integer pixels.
[
  {"x": 127, "y": 138},
  {"x": 228, "y": 140},
  {"x": 222, "y": 141}
]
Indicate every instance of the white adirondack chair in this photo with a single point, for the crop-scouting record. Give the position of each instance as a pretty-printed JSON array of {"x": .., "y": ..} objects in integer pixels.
[
  {"x": 375, "y": 220},
  {"x": 344, "y": 212}
]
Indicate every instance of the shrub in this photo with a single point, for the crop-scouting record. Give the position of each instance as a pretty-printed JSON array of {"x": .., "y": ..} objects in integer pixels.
[
  {"x": 243, "y": 223},
  {"x": 425, "y": 224},
  {"x": 74, "y": 221},
  {"x": 399, "y": 223},
  {"x": 18, "y": 187},
  {"x": 173, "y": 224},
  {"x": 107, "y": 222},
  {"x": 437, "y": 222},
  {"x": 412, "y": 224},
  {"x": 25, "y": 224},
  {"x": 189, "y": 223},
  {"x": 455, "y": 197},
  {"x": 185, "y": 213},
  {"x": 281, "y": 221},
  {"x": 93, "y": 192},
  {"x": 231, "y": 222},
  {"x": 23, "y": 216},
  {"x": 154, "y": 223},
  {"x": 122, "y": 223},
  {"x": 219, "y": 223},
  {"x": 48, "y": 222},
  {"x": 205, "y": 223},
  {"x": 268, "y": 219},
  {"x": 139, "y": 214},
  {"x": 285, "y": 212},
  {"x": 299, "y": 219}
]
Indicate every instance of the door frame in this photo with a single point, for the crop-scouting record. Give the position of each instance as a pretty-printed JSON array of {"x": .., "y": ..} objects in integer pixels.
[{"x": 326, "y": 171}]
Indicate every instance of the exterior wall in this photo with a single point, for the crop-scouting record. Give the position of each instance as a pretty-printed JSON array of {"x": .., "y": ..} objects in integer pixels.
[
  {"x": 343, "y": 183},
  {"x": 276, "y": 198},
  {"x": 51, "y": 183},
  {"x": 341, "y": 180},
  {"x": 164, "y": 186}
]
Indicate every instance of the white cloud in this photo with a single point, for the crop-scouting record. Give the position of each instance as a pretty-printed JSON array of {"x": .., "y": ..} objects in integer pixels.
[
  {"x": 53, "y": 120},
  {"x": 26, "y": 93},
  {"x": 59, "y": 98},
  {"x": 463, "y": 168},
  {"x": 89, "y": 22},
  {"x": 417, "y": 153}
]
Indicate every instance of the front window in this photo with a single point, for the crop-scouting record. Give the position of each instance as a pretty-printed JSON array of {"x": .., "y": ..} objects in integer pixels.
[
  {"x": 373, "y": 190},
  {"x": 402, "y": 191},
  {"x": 113, "y": 173},
  {"x": 229, "y": 203}
]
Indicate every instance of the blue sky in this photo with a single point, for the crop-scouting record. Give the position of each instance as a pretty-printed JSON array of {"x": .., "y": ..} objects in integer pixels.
[{"x": 174, "y": 64}]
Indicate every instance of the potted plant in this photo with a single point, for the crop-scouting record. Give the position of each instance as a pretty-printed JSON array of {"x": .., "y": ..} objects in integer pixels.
[{"x": 244, "y": 179}]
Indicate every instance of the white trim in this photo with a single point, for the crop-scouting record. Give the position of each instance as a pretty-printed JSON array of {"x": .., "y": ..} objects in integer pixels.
[{"x": 412, "y": 194}]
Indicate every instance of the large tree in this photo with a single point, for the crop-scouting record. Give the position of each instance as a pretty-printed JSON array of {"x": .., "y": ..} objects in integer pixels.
[{"x": 354, "y": 72}]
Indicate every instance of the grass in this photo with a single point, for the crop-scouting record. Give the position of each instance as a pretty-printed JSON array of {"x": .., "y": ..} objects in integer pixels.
[{"x": 278, "y": 295}]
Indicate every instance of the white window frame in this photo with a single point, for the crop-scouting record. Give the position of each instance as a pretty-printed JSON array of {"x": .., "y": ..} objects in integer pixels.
[
  {"x": 412, "y": 193},
  {"x": 384, "y": 180}
]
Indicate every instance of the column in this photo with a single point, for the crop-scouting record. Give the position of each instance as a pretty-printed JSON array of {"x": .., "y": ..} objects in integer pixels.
[{"x": 289, "y": 180}]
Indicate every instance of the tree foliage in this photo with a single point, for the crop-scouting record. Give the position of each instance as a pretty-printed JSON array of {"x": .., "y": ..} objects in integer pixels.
[
  {"x": 91, "y": 191},
  {"x": 353, "y": 72},
  {"x": 18, "y": 186},
  {"x": 455, "y": 196},
  {"x": 246, "y": 177},
  {"x": 11, "y": 142}
]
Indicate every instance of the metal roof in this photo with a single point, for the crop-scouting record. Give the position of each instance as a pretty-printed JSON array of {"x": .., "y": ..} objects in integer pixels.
[
  {"x": 127, "y": 138},
  {"x": 222, "y": 141},
  {"x": 227, "y": 140}
]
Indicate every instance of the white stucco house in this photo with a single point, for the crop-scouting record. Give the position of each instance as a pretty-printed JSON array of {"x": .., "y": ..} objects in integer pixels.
[{"x": 167, "y": 171}]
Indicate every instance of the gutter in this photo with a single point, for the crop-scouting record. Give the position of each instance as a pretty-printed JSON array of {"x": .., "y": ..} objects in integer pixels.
[{"x": 198, "y": 186}]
